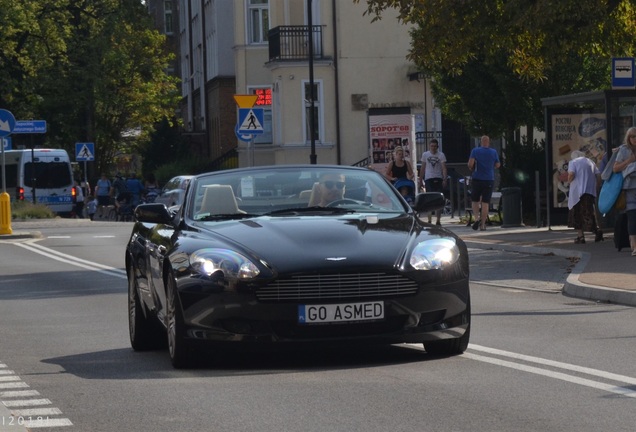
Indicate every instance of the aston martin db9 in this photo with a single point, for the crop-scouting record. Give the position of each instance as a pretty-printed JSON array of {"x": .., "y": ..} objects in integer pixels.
[{"x": 295, "y": 255}]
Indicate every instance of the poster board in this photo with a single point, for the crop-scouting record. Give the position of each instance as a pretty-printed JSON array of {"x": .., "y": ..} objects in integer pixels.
[
  {"x": 387, "y": 132},
  {"x": 585, "y": 132}
]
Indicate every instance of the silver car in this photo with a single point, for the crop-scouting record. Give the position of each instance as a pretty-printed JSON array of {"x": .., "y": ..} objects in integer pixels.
[{"x": 174, "y": 190}]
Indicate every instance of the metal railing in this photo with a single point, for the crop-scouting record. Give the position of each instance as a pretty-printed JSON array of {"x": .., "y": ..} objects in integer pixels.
[{"x": 288, "y": 43}]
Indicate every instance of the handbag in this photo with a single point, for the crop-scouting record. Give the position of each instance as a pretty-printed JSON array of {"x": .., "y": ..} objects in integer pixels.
[{"x": 610, "y": 191}]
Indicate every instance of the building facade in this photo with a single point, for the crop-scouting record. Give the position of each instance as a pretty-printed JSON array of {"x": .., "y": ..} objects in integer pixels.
[{"x": 358, "y": 69}]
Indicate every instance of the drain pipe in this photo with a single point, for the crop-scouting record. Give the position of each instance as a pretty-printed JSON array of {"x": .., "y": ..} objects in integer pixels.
[{"x": 336, "y": 81}]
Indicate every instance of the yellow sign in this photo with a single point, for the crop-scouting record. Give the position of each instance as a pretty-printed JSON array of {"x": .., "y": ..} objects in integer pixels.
[{"x": 245, "y": 101}]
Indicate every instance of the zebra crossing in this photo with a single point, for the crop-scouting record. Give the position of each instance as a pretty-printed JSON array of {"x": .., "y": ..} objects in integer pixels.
[{"x": 23, "y": 407}]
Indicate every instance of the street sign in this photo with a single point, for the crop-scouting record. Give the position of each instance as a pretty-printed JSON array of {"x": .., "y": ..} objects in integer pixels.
[
  {"x": 250, "y": 121},
  {"x": 623, "y": 73},
  {"x": 85, "y": 151},
  {"x": 29, "y": 126},
  {"x": 7, "y": 123},
  {"x": 6, "y": 143}
]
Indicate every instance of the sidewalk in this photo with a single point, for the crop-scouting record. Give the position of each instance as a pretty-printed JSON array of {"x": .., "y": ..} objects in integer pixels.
[{"x": 601, "y": 273}]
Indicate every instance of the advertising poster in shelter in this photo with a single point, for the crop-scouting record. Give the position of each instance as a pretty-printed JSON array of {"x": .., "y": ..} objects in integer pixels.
[
  {"x": 570, "y": 132},
  {"x": 386, "y": 132}
]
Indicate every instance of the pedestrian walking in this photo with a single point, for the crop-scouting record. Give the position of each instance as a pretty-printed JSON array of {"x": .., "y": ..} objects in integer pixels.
[
  {"x": 433, "y": 172},
  {"x": 78, "y": 208},
  {"x": 102, "y": 190},
  {"x": 583, "y": 177},
  {"x": 482, "y": 162},
  {"x": 626, "y": 164}
]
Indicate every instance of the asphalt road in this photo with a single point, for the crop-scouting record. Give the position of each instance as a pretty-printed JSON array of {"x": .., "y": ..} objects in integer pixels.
[{"x": 538, "y": 361}]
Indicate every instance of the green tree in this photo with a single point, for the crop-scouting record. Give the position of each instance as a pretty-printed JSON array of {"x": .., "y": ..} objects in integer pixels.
[
  {"x": 94, "y": 69},
  {"x": 483, "y": 53},
  {"x": 33, "y": 37}
]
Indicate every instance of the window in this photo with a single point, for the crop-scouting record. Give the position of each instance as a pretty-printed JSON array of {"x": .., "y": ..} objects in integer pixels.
[
  {"x": 167, "y": 17},
  {"x": 317, "y": 114},
  {"x": 258, "y": 17}
]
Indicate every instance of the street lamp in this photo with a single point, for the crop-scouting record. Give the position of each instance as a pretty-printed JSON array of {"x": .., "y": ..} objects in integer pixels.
[{"x": 312, "y": 126}]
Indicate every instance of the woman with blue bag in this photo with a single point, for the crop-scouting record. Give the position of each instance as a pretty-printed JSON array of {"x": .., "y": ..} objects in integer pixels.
[{"x": 626, "y": 165}]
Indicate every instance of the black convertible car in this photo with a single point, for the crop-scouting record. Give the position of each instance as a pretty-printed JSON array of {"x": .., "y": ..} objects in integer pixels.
[{"x": 293, "y": 254}]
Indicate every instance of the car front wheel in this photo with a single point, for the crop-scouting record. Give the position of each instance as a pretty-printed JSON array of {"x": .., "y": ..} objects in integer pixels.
[
  {"x": 144, "y": 333},
  {"x": 178, "y": 348}
]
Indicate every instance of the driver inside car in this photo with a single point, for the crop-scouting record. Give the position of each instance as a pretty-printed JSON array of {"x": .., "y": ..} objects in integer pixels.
[{"x": 331, "y": 187}]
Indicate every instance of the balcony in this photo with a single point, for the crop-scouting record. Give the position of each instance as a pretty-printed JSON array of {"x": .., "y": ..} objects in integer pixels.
[{"x": 291, "y": 43}]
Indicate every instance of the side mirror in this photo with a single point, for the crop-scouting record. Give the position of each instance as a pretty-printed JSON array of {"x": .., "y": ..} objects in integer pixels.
[
  {"x": 429, "y": 201},
  {"x": 153, "y": 213}
]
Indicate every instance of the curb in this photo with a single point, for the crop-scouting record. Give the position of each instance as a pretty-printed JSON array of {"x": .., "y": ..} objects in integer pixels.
[{"x": 573, "y": 287}]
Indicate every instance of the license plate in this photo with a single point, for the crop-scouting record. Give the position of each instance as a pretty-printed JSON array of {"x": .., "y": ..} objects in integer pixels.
[{"x": 343, "y": 312}]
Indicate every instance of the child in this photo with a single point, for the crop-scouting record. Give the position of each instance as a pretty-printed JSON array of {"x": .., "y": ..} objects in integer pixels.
[
  {"x": 91, "y": 206},
  {"x": 406, "y": 193}
]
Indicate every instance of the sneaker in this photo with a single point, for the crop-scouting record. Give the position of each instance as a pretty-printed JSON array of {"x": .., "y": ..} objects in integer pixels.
[
  {"x": 634, "y": 252},
  {"x": 438, "y": 223},
  {"x": 482, "y": 229},
  {"x": 476, "y": 225}
]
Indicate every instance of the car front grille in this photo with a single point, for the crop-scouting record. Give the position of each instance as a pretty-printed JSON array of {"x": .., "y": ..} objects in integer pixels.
[{"x": 337, "y": 286}]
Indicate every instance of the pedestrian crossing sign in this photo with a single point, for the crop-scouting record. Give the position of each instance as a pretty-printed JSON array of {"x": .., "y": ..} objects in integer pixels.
[
  {"x": 85, "y": 151},
  {"x": 250, "y": 121}
]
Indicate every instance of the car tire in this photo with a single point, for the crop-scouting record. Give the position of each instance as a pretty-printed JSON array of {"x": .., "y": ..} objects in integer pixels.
[
  {"x": 145, "y": 334},
  {"x": 178, "y": 346}
]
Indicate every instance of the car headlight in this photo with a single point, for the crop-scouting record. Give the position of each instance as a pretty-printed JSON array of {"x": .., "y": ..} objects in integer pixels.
[
  {"x": 434, "y": 254},
  {"x": 228, "y": 262}
]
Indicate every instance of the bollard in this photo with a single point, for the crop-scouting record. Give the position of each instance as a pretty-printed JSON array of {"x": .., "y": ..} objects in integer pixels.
[{"x": 5, "y": 214}]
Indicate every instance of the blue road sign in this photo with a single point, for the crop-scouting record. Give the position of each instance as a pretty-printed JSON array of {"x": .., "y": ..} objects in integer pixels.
[
  {"x": 7, "y": 123},
  {"x": 85, "y": 151},
  {"x": 29, "y": 126},
  {"x": 250, "y": 121},
  {"x": 6, "y": 143},
  {"x": 623, "y": 73}
]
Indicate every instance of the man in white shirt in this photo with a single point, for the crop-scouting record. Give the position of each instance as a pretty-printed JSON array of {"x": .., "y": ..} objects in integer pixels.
[{"x": 433, "y": 172}]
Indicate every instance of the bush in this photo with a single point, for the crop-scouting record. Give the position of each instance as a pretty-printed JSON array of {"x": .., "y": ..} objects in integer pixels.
[{"x": 27, "y": 210}]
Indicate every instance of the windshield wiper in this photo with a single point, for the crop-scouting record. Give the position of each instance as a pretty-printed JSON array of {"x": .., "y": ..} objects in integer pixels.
[{"x": 314, "y": 209}]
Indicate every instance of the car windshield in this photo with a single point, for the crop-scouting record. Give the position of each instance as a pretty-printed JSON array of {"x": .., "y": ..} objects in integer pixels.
[{"x": 290, "y": 191}]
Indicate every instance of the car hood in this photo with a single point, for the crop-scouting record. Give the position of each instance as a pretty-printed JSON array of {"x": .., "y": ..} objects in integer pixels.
[{"x": 290, "y": 244}]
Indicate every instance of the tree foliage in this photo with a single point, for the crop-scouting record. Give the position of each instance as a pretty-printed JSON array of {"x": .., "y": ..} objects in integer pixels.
[
  {"x": 94, "y": 69},
  {"x": 510, "y": 53}
]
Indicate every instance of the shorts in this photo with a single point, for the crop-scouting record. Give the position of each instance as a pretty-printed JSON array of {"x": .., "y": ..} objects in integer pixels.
[
  {"x": 103, "y": 200},
  {"x": 482, "y": 190},
  {"x": 434, "y": 185}
]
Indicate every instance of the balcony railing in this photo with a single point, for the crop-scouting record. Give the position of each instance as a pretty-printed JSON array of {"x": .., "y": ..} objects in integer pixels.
[{"x": 288, "y": 43}]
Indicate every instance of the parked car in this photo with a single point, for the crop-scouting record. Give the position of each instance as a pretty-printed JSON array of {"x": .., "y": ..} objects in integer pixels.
[
  {"x": 173, "y": 191},
  {"x": 256, "y": 257}
]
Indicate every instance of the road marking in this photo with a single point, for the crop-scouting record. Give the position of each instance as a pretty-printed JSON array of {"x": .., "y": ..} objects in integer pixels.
[
  {"x": 18, "y": 393},
  {"x": 9, "y": 378},
  {"x": 31, "y": 412},
  {"x": 72, "y": 260},
  {"x": 26, "y": 402},
  {"x": 620, "y": 390}
]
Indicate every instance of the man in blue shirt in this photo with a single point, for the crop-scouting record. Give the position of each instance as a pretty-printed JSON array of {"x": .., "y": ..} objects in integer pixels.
[
  {"x": 482, "y": 162},
  {"x": 136, "y": 189}
]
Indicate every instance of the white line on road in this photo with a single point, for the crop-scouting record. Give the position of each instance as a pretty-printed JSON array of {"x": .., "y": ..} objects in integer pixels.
[
  {"x": 36, "y": 412},
  {"x": 623, "y": 391},
  {"x": 18, "y": 393},
  {"x": 26, "y": 402},
  {"x": 556, "y": 364},
  {"x": 69, "y": 259}
]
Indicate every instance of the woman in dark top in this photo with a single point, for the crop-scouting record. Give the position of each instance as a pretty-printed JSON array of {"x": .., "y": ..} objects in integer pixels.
[{"x": 399, "y": 168}]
